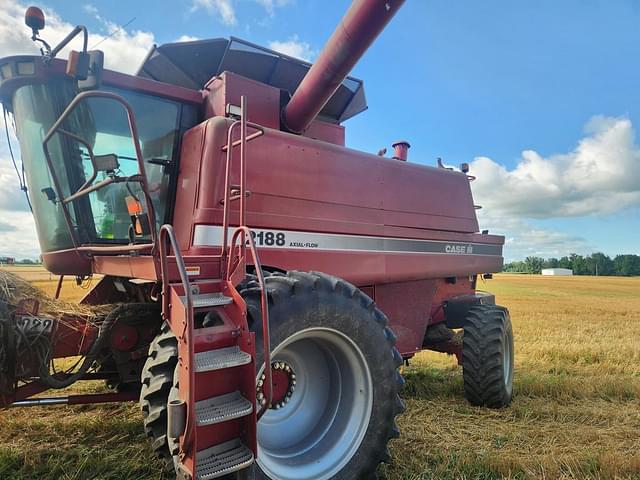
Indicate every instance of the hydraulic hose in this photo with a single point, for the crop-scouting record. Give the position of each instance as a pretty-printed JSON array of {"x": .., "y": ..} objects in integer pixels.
[{"x": 53, "y": 381}]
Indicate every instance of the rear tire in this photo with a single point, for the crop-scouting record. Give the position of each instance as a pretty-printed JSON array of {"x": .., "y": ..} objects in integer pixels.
[
  {"x": 487, "y": 356},
  {"x": 342, "y": 350}
]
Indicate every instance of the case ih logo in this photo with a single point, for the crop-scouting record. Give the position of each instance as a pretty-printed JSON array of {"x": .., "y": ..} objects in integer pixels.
[{"x": 459, "y": 249}]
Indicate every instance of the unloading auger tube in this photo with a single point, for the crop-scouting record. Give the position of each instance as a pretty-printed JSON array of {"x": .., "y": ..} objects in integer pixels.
[{"x": 357, "y": 30}]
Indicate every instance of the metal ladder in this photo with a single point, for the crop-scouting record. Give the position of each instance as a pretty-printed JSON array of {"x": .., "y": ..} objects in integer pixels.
[{"x": 215, "y": 415}]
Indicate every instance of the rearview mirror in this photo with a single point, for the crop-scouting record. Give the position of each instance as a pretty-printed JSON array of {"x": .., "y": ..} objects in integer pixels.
[
  {"x": 106, "y": 163},
  {"x": 89, "y": 67}
]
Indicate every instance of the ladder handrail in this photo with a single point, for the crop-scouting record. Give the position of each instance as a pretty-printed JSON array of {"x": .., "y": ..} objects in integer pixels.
[
  {"x": 167, "y": 231},
  {"x": 243, "y": 231},
  {"x": 228, "y": 148}
]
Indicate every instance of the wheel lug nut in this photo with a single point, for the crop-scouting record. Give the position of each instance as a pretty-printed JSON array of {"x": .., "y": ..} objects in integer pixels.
[
  {"x": 293, "y": 376},
  {"x": 260, "y": 383},
  {"x": 260, "y": 396}
]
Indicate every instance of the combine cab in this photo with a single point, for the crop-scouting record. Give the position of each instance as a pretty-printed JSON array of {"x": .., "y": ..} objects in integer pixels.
[{"x": 260, "y": 284}]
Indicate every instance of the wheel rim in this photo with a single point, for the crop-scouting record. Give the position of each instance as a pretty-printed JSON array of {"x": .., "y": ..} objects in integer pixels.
[
  {"x": 506, "y": 362},
  {"x": 322, "y": 426}
]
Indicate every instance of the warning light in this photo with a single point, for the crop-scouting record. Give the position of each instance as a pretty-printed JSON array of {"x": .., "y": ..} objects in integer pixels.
[{"x": 34, "y": 18}]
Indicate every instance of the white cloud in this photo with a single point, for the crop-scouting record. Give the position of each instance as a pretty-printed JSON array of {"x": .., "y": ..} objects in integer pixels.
[
  {"x": 270, "y": 5},
  {"x": 223, "y": 8},
  {"x": 226, "y": 11},
  {"x": 294, "y": 48},
  {"x": 124, "y": 50},
  {"x": 11, "y": 197},
  {"x": 522, "y": 239},
  {"x": 596, "y": 178},
  {"x": 18, "y": 235},
  {"x": 17, "y": 229},
  {"x": 90, "y": 9},
  {"x": 186, "y": 38}
]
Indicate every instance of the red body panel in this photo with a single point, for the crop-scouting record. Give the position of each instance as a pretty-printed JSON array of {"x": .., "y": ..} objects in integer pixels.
[
  {"x": 229, "y": 87},
  {"x": 304, "y": 185},
  {"x": 410, "y": 316},
  {"x": 301, "y": 185}
]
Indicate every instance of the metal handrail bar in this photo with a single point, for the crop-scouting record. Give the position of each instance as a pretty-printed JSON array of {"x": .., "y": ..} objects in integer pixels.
[
  {"x": 136, "y": 142},
  {"x": 229, "y": 161},
  {"x": 97, "y": 186},
  {"x": 116, "y": 249},
  {"x": 166, "y": 231},
  {"x": 257, "y": 134},
  {"x": 243, "y": 231},
  {"x": 227, "y": 193},
  {"x": 243, "y": 174},
  {"x": 94, "y": 174}
]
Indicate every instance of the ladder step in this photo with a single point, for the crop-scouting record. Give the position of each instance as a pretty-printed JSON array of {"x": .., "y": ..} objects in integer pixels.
[
  {"x": 221, "y": 409},
  {"x": 221, "y": 358},
  {"x": 222, "y": 459},
  {"x": 203, "y": 300}
]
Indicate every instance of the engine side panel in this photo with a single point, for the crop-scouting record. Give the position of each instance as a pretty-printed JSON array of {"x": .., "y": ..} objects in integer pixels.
[{"x": 364, "y": 218}]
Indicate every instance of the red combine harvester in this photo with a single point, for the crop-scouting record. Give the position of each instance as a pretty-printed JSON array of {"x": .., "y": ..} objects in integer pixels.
[{"x": 261, "y": 283}]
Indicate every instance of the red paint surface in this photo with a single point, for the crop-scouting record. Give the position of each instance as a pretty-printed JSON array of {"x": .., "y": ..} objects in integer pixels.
[
  {"x": 408, "y": 305},
  {"x": 301, "y": 184}
]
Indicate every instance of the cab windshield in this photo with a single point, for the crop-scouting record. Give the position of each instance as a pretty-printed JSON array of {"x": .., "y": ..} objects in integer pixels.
[{"x": 101, "y": 216}]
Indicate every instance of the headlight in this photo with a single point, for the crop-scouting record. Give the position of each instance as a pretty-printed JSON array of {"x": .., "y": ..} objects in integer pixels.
[
  {"x": 7, "y": 71},
  {"x": 17, "y": 69},
  {"x": 26, "y": 68}
]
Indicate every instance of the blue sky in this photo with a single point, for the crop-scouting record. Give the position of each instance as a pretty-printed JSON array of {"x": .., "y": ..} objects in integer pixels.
[{"x": 540, "y": 97}]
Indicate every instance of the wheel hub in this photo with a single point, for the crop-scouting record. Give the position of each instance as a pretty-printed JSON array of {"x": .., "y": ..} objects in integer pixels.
[{"x": 283, "y": 385}]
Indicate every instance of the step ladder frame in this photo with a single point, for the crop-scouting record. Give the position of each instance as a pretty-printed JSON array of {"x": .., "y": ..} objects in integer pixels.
[{"x": 233, "y": 265}]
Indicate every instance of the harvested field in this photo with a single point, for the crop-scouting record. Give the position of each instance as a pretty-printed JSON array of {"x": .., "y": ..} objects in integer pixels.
[{"x": 575, "y": 415}]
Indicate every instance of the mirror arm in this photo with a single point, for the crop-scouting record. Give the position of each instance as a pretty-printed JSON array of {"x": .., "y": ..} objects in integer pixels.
[{"x": 79, "y": 28}]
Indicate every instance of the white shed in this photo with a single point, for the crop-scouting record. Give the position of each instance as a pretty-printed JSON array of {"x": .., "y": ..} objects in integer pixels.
[{"x": 557, "y": 271}]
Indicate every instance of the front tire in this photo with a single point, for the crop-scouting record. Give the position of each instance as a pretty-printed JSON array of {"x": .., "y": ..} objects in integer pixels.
[
  {"x": 157, "y": 383},
  {"x": 487, "y": 356},
  {"x": 339, "y": 420}
]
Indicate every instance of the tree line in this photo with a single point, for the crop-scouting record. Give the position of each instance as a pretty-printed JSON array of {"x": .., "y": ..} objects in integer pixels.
[{"x": 595, "y": 264}]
